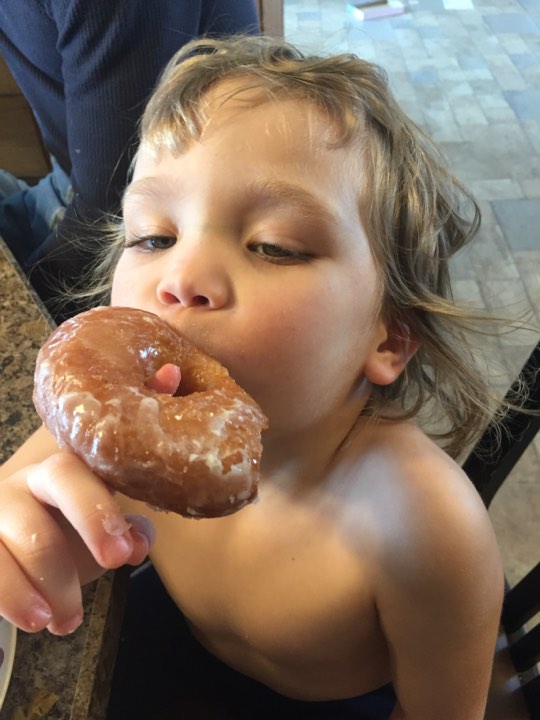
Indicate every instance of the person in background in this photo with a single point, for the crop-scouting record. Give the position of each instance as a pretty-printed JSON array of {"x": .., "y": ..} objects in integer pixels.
[{"x": 87, "y": 70}]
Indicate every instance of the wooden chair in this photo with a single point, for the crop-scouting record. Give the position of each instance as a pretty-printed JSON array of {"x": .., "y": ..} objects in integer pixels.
[
  {"x": 271, "y": 17},
  {"x": 515, "y": 690}
]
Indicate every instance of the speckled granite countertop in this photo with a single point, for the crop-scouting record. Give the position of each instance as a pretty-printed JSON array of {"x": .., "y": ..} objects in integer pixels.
[{"x": 73, "y": 672}]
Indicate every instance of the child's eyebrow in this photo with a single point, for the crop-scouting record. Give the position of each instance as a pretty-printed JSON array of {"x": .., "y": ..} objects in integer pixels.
[
  {"x": 269, "y": 193},
  {"x": 147, "y": 187},
  {"x": 277, "y": 192}
]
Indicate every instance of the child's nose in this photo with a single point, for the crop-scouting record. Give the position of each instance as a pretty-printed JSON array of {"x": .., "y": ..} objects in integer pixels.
[{"x": 195, "y": 279}]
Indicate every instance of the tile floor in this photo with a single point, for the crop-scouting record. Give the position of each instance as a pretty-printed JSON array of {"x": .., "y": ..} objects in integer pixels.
[{"x": 469, "y": 72}]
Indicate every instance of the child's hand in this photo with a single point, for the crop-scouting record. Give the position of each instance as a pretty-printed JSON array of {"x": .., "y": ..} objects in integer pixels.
[{"x": 60, "y": 527}]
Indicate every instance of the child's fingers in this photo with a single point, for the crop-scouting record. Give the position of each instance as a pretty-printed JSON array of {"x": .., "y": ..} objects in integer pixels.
[
  {"x": 66, "y": 483},
  {"x": 143, "y": 534},
  {"x": 20, "y": 604},
  {"x": 59, "y": 526},
  {"x": 40, "y": 584}
]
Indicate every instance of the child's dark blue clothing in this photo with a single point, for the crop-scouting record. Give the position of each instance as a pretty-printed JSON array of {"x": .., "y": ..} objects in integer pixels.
[{"x": 163, "y": 673}]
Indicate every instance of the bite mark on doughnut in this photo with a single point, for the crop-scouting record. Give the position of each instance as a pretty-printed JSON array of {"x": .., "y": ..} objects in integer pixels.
[{"x": 105, "y": 387}]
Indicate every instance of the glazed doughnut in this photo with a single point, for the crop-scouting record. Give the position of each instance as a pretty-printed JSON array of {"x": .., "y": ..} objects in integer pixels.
[{"x": 196, "y": 453}]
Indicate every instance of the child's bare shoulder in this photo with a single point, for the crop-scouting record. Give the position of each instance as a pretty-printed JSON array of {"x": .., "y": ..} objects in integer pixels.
[
  {"x": 437, "y": 580},
  {"x": 427, "y": 512}
]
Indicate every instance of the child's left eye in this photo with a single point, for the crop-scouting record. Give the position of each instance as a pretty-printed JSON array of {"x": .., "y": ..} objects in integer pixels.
[{"x": 276, "y": 253}]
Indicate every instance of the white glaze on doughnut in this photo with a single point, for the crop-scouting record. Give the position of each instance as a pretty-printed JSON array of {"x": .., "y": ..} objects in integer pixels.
[{"x": 197, "y": 454}]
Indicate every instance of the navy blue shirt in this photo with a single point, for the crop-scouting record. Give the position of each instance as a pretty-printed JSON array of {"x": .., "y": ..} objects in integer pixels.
[{"x": 87, "y": 69}]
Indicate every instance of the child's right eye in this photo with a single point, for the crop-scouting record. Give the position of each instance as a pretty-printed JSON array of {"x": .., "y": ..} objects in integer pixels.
[{"x": 150, "y": 243}]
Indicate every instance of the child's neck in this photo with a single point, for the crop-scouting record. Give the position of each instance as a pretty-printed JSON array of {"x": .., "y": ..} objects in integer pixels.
[{"x": 307, "y": 454}]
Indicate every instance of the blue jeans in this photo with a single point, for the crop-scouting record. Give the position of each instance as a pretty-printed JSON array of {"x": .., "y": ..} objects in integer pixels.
[{"x": 28, "y": 214}]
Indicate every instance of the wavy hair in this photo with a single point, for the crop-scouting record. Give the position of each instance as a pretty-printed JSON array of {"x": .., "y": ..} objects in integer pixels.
[{"x": 416, "y": 214}]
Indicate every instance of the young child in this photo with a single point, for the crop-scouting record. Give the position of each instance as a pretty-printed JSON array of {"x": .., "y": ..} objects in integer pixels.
[{"x": 285, "y": 216}]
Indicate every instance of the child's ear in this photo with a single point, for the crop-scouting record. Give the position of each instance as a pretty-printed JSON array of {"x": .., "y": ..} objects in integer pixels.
[{"x": 393, "y": 349}]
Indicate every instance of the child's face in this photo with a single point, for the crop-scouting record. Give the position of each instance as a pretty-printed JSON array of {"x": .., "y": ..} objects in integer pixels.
[{"x": 251, "y": 246}]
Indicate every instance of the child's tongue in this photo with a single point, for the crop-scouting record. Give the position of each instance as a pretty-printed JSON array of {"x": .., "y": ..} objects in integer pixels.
[{"x": 166, "y": 380}]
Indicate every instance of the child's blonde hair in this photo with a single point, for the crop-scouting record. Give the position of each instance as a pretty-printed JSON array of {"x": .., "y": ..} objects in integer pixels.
[{"x": 415, "y": 213}]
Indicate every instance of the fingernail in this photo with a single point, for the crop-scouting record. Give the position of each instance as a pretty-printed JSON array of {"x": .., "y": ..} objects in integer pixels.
[
  {"x": 117, "y": 549},
  {"x": 114, "y": 525},
  {"x": 68, "y": 627},
  {"x": 144, "y": 527},
  {"x": 39, "y": 617}
]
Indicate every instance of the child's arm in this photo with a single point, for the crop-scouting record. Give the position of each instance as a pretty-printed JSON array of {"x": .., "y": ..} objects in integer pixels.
[
  {"x": 440, "y": 603},
  {"x": 60, "y": 527}
]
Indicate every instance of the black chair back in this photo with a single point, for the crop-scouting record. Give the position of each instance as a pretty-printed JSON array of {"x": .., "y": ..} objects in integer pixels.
[{"x": 488, "y": 466}]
